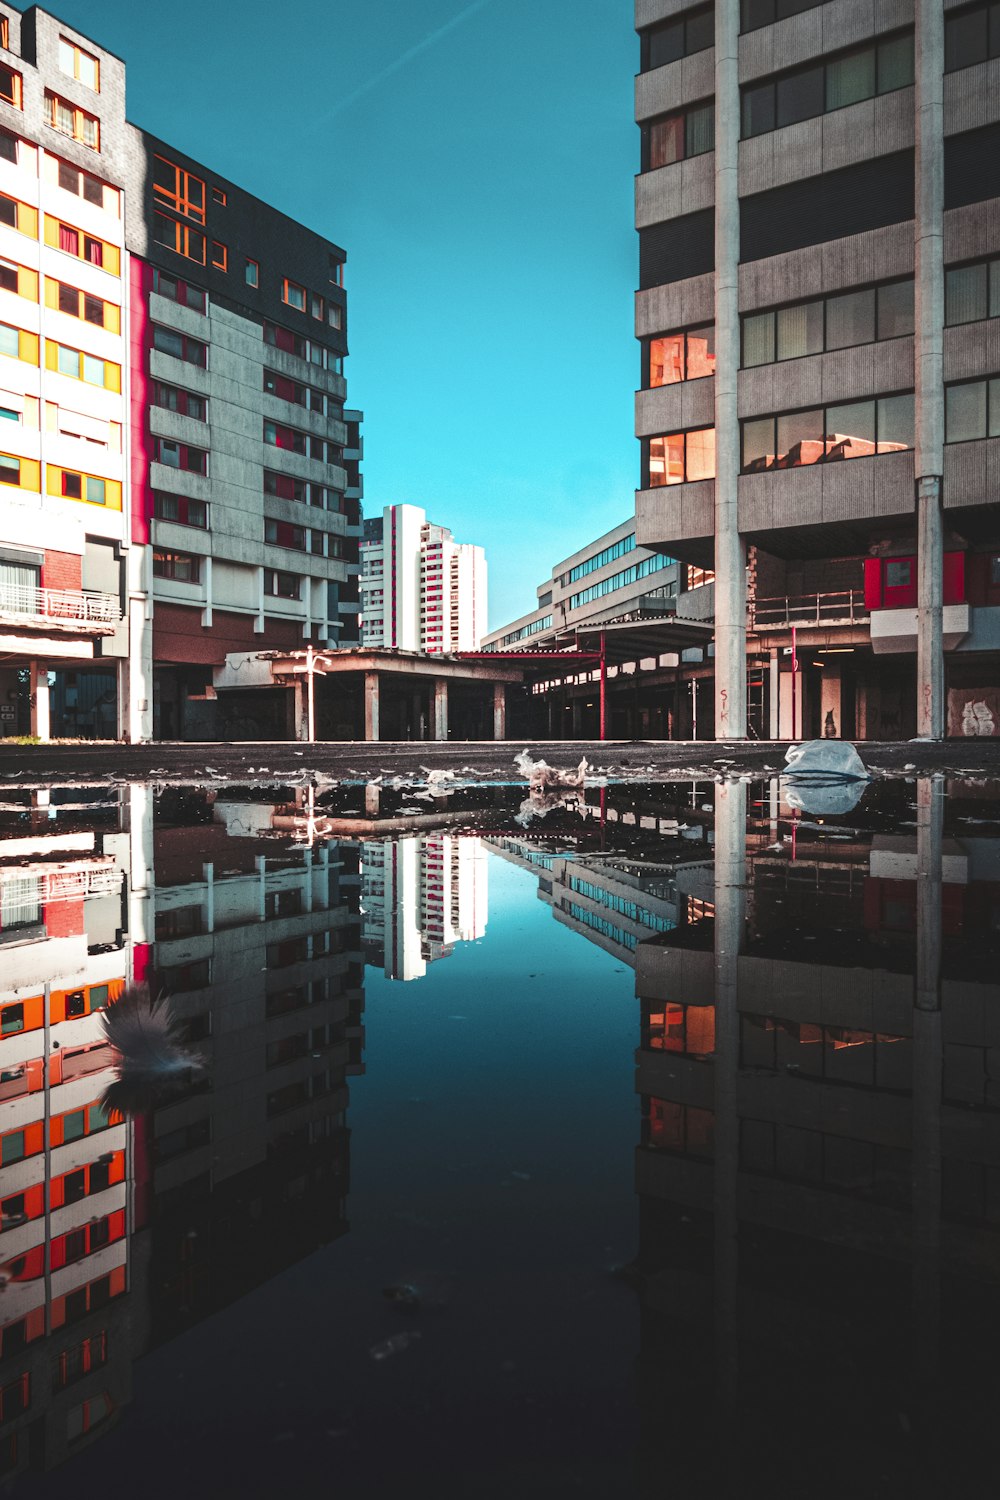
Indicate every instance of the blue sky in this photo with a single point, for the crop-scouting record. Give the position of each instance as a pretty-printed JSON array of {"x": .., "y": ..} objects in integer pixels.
[{"x": 475, "y": 160}]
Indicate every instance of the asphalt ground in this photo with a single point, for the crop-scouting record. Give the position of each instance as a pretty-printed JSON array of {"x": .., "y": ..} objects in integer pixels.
[{"x": 91, "y": 763}]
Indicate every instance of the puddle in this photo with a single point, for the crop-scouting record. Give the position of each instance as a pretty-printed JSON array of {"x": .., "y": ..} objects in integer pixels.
[{"x": 630, "y": 1138}]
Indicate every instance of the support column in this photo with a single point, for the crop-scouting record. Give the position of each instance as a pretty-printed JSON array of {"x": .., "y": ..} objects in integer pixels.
[
  {"x": 773, "y": 695},
  {"x": 499, "y": 710},
  {"x": 39, "y": 689},
  {"x": 441, "y": 709},
  {"x": 929, "y": 364},
  {"x": 373, "y": 799},
  {"x": 730, "y": 549},
  {"x": 576, "y": 718},
  {"x": 371, "y": 706},
  {"x": 928, "y": 1055}
]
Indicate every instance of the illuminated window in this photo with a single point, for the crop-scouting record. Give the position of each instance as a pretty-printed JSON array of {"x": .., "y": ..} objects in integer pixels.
[
  {"x": 681, "y": 356},
  {"x": 75, "y": 63},
  {"x": 184, "y": 192},
  {"x": 853, "y": 429},
  {"x": 251, "y": 273},
  {"x": 10, "y": 86},
  {"x": 70, "y": 120},
  {"x": 182, "y": 567},
  {"x": 220, "y": 255},
  {"x": 4, "y": 31},
  {"x": 179, "y": 237},
  {"x": 295, "y": 296},
  {"x": 682, "y": 457}
]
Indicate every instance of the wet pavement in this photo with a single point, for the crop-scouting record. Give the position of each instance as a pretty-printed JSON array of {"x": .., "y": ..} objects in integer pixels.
[{"x": 395, "y": 1137}]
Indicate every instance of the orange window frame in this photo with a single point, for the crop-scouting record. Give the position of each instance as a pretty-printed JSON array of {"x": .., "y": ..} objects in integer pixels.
[
  {"x": 180, "y": 197},
  {"x": 220, "y": 256},
  {"x": 290, "y": 286},
  {"x": 53, "y": 102},
  {"x": 4, "y": 31},
  {"x": 79, "y": 52},
  {"x": 182, "y": 241},
  {"x": 16, "y": 95}
]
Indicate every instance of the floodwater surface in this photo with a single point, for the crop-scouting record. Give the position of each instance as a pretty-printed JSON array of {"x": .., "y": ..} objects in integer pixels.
[{"x": 625, "y": 1142}]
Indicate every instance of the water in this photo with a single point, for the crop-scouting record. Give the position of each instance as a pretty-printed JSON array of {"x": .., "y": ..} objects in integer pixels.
[{"x": 638, "y": 1142}]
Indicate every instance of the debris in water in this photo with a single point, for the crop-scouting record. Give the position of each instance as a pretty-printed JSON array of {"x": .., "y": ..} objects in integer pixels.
[
  {"x": 394, "y": 1345},
  {"x": 541, "y": 777}
]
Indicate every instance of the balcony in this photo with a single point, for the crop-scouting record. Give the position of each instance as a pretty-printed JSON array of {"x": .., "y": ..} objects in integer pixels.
[
  {"x": 65, "y": 610},
  {"x": 846, "y": 607}
]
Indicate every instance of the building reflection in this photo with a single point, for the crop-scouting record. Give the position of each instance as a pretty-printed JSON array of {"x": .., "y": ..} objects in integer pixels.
[
  {"x": 421, "y": 896},
  {"x": 116, "y": 1233}
]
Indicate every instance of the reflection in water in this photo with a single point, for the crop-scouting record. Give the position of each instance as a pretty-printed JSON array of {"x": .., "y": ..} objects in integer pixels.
[{"x": 817, "y": 1178}]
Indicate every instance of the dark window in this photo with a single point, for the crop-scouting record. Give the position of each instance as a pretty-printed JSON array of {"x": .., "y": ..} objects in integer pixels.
[
  {"x": 822, "y": 87},
  {"x": 757, "y": 13},
  {"x": 11, "y": 1019},
  {"x": 8, "y": 146},
  {"x": 281, "y": 585},
  {"x": 837, "y": 322},
  {"x": 799, "y": 97},
  {"x": 181, "y": 566},
  {"x": 971, "y": 37},
  {"x": 972, "y": 166},
  {"x": 677, "y": 249},
  {"x": 671, "y": 40},
  {"x": 972, "y": 410},
  {"x": 75, "y": 1186},
  {"x": 831, "y": 206}
]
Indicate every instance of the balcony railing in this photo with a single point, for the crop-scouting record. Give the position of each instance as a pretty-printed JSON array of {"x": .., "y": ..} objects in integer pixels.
[
  {"x": 846, "y": 607},
  {"x": 70, "y": 605}
]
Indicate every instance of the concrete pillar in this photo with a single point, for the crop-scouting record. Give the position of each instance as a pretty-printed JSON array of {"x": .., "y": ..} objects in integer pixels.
[
  {"x": 441, "y": 708},
  {"x": 576, "y": 718},
  {"x": 730, "y": 550},
  {"x": 831, "y": 709},
  {"x": 773, "y": 695},
  {"x": 730, "y": 915},
  {"x": 929, "y": 363},
  {"x": 300, "y": 716},
  {"x": 371, "y": 706},
  {"x": 39, "y": 690},
  {"x": 927, "y": 1081},
  {"x": 373, "y": 799},
  {"x": 499, "y": 710}
]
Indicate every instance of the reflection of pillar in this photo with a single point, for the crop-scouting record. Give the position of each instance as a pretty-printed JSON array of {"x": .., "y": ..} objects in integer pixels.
[
  {"x": 927, "y": 1079},
  {"x": 773, "y": 695},
  {"x": 830, "y": 707},
  {"x": 550, "y": 714},
  {"x": 371, "y": 706},
  {"x": 730, "y": 911},
  {"x": 441, "y": 709},
  {"x": 39, "y": 687},
  {"x": 499, "y": 710},
  {"x": 576, "y": 717},
  {"x": 373, "y": 799}
]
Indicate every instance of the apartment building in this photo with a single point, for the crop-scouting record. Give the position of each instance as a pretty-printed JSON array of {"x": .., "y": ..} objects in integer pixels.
[
  {"x": 816, "y": 219},
  {"x": 183, "y": 481},
  {"x": 421, "y": 590},
  {"x": 421, "y": 896}
]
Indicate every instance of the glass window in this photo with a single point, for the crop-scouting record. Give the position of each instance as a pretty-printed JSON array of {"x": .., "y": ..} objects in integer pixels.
[
  {"x": 895, "y": 310},
  {"x": 251, "y": 273},
  {"x": 93, "y": 370},
  {"x": 895, "y": 63},
  {"x": 701, "y": 454},
  {"x": 965, "y": 39},
  {"x": 850, "y": 320},
  {"x": 799, "y": 439},
  {"x": 665, "y": 44},
  {"x": 666, "y": 141},
  {"x": 850, "y": 430},
  {"x": 11, "y": 1019},
  {"x": 966, "y": 297},
  {"x": 757, "y": 444},
  {"x": 850, "y": 79},
  {"x": 758, "y": 339},
  {"x": 74, "y": 1125},
  {"x": 993, "y": 412},
  {"x": 758, "y": 109},
  {"x": 898, "y": 573},
  {"x": 699, "y": 130},
  {"x": 895, "y": 423},
  {"x": 700, "y": 352},
  {"x": 666, "y": 460},
  {"x": 800, "y": 96},
  {"x": 666, "y": 360},
  {"x": 994, "y": 308},
  {"x": 95, "y": 493},
  {"x": 12, "y": 1147},
  {"x": 799, "y": 330},
  {"x": 965, "y": 412},
  {"x": 68, "y": 362},
  {"x": 699, "y": 31}
]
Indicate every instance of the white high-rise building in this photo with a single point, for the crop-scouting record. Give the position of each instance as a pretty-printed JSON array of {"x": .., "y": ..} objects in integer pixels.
[
  {"x": 421, "y": 897},
  {"x": 420, "y": 589}
]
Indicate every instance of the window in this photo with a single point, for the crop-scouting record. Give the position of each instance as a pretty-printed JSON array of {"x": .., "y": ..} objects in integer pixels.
[
  {"x": 70, "y": 120},
  {"x": 174, "y": 398},
  {"x": 89, "y": 487},
  {"x": 972, "y": 410},
  {"x": 682, "y": 457},
  {"x": 15, "y": 1398},
  {"x": 180, "y": 456},
  {"x": 181, "y": 238},
  {"x": 11, "y": 1019},
  {"x": 75, "y": 63},
  {"x": 78, "y": 304},
  {"x": 9, "y": 145},
  {"x": 757, "y": 13},
  {"x": 20, "y": 216},
  {"x": 294, "y": 295},
  {"x": 181, "y": 509},
  {"x": 671, "y": 40},
  {"x": 182, "y": 567},
  {"x": 317, "y": 306},
  {"x": 219, "y": 196},
  {"x": 10, "y": 85},
  {"x": 178, "y": 188},
  {"x": 286, "y": 485},
  {"x": 855, "y": 429},
  {"x": 821, "y": 88},
  {"x": 689, "y": 355},
  {"x": 18, "y": 343},
  {"x": 80, "y": 366},
  {"x": 85, "y": 185},
  {"x": 336, "y": 271},
  {"x": 180, "y": 346},
  {"x": 836, "y": 322},
  {"x": 251, "y": 273},
  {"x": 78, "y": 1361},
  {"x": 284, "y": 534},
  {"x": 335, "y": 315},
  {"x": 672, "y": 138},
  {"x": 620, "y": 580},
  {"x": 86, "y": 247},
  {"x": 308, "y": 349},
  {"x": 972, "y": 293},
  {"x": 279, "y": 436},
  {"x": 971, "y": 37},
  {"x": 281, "y": 585},
  {"x": 899, "y": 574},
  {"x": 88, "y": 1415},
  {"x": 220, "y": 255}
]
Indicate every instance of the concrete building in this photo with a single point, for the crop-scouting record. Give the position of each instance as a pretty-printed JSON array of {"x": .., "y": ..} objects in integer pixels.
[
  {"x": 816, "y": 219},
  {"x": 421, "y": 896},
  {"x": 182, "y": 479},
  {"x": 421, "y": 590}
]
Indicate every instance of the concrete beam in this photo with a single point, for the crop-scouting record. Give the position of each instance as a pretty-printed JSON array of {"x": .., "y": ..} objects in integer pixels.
[{"x": 371, "y": 706}]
